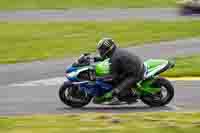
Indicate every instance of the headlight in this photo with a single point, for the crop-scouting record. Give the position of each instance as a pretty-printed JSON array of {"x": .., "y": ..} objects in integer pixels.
[
  {"x": 92, "y": 75},
  {"x": 87, "y": 75}
]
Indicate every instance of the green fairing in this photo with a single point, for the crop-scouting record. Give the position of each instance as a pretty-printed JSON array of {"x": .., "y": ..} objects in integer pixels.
[
  {"x": 154, "y": 64},
  {"x": 103, "y": 68},
  {"x": 143, "y": 87}
]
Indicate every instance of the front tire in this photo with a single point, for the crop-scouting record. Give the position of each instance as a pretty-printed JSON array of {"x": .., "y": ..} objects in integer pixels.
[
  {"x": 158, "y": 99},
  {"x": 66, "y": 87}
]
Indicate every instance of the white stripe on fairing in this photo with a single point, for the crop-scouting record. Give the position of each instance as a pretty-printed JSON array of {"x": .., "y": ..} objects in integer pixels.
[
  {"x": 158, "y": 68},
  {"x": 60, "y": 80}
]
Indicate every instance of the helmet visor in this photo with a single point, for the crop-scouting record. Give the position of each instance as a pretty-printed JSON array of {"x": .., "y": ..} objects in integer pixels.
[{"x": 102, "y": 50}]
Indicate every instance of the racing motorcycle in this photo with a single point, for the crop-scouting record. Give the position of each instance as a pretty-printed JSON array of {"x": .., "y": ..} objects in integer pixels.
[{"x": 87, "y": 80}]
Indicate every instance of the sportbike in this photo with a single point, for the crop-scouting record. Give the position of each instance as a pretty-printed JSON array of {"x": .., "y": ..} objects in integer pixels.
[{"x": 90, "y": 81}]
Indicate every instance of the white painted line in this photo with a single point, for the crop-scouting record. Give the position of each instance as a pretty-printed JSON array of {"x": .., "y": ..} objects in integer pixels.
[
  {"x": 43, "y": 82},
  {"x": 60, "y": 80},
  {"x": 174, "y": 107}
]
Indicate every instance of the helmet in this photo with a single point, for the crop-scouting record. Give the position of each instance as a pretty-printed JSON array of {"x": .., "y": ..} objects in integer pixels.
[{"x": 106, "y": 47}]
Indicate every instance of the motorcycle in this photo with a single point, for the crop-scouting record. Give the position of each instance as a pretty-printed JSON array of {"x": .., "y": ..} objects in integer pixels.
[{"x": 88, "y": 81}]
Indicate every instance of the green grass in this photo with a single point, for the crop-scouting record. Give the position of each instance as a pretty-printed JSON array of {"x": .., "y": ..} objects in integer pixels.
[
  {"x": 185, "y": 66},
  {"x": 103, "y": 123},
  {"x": 63, "y": 4},
  {"x": 27, "y": 42}
]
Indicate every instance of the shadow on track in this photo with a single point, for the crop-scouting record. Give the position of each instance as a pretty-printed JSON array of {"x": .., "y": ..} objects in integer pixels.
[{"x": 117, "y": 109}]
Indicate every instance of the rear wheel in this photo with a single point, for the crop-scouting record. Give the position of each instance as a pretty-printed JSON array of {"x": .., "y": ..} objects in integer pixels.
[
  {"x": 73, "y": 97},
  {"x": 163, "y": 97}
]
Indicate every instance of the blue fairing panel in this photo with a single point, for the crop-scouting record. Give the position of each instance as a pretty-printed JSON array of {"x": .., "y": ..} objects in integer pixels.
[
  {"x": 97, "y": 88},
  {"x": 73, "y": 79},
  {"x": 71, "y": 69}
]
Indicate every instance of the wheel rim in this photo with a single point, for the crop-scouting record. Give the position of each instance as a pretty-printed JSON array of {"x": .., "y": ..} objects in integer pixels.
[
  {"x": 80, "y": 97},
  {"x": 163, "y": 95}
]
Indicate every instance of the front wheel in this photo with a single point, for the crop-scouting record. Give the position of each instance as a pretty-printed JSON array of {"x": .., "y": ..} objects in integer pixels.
[
  {"x": 72, "y": 96},
  {"x": 163, "y": 97}
]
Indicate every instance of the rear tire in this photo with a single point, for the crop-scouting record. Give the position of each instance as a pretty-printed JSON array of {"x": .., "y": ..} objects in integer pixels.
[
  {"x": 161, "y": 83},
  {"x": 74, "y": 104}
]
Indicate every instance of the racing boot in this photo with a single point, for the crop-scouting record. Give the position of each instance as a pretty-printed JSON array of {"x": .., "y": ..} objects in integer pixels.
[
  {"x": 109, "y": 99},
  {"x": 114, "y": 101},
  {"x": 101, "y": 99}
]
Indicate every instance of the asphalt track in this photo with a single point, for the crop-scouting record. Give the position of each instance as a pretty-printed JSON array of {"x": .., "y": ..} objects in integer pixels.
[
  {"x": 29, "y": 88},
  {"x": 41, "y": 99},
  {"x": 164, "y": 14}
]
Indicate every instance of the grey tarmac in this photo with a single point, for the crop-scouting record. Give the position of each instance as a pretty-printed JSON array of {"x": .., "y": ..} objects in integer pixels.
[
  {"x": 163, "y": 14},
  {"x": 44, "y": 100}
]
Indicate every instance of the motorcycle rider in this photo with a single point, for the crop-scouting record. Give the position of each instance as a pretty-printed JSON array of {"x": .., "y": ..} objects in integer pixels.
[{"x": 126, "y": 69}]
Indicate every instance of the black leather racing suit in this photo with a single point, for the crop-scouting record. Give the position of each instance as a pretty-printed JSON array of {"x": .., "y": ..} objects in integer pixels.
[{"x": 127, "y": 69}]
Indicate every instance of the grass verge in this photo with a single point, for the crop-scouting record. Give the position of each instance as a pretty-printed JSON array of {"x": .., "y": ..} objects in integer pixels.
[
  {"x": 185, "y": 66},
  {"x": 63, "y": 4},
  {"x": 106, "y": 123},
  {"x": 27, "y": 42}
]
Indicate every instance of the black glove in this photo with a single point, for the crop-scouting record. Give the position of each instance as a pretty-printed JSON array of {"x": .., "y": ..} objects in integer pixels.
[{"x": 84, "y": 59}]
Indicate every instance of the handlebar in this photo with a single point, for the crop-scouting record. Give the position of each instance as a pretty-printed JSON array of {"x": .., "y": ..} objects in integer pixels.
[{"x": 84, "y": 59}]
